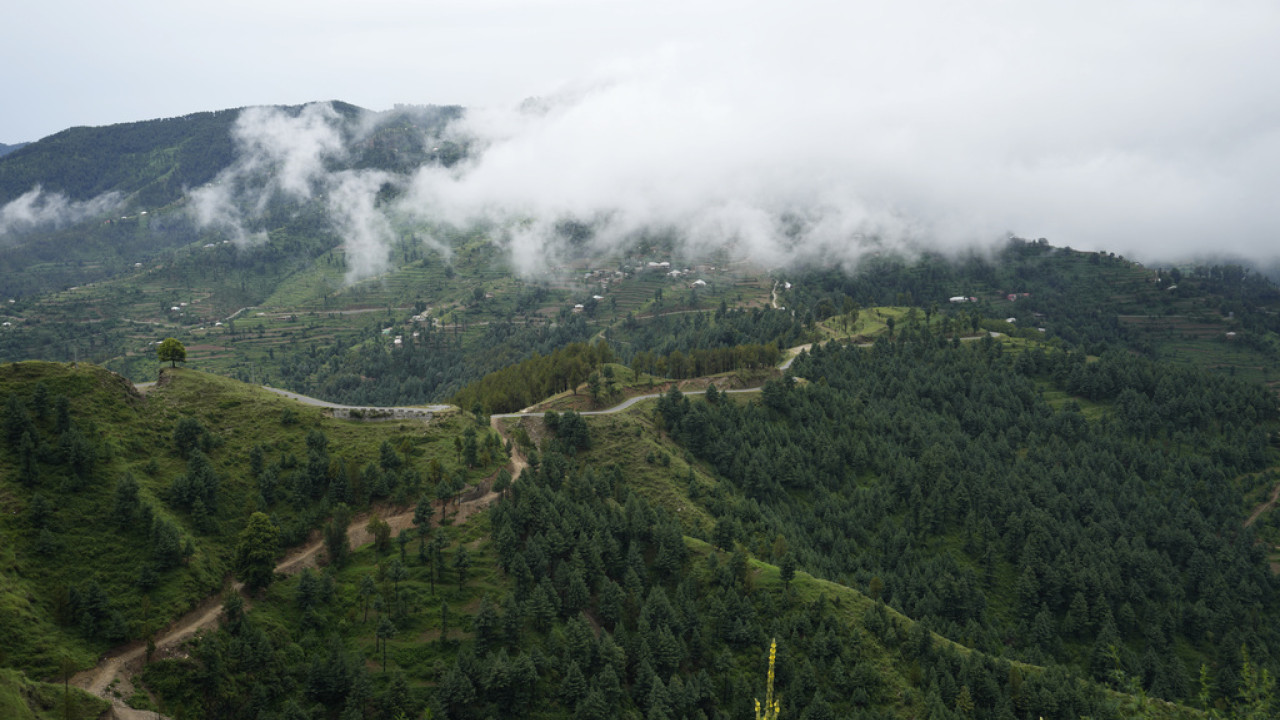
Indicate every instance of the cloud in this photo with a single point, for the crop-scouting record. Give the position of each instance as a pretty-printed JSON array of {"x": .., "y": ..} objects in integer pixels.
[
  {"x": 37, "y": 209},
  {"x": 279, "y": 155},
  {"x": 819, "y": 131},
  {"x": 295, "y": 157},
  {"x": 815, "y": 132},
  {"x": 287, "y": 153},
  {"x": 366, "y": 230}
]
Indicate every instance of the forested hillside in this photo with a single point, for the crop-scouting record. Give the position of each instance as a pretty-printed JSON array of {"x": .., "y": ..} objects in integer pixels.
[
  {"x": 937, "y": 476},
  {"x": 121, "y": 511},
  {"x": 584, "y": 601},
  {"x": 1222, "y": 317}
]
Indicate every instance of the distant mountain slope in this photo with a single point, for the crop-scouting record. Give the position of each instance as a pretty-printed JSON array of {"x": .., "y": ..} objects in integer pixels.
[
  {"x": 151, "y": 160},
  {"x": 88, "y": 203}
]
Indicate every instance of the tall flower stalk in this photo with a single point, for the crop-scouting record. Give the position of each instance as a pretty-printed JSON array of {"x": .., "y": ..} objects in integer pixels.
[{"x": 772, "y": 706}]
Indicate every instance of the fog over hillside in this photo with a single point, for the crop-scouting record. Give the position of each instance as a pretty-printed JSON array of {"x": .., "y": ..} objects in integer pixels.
[{"x": 820, "y": 132}]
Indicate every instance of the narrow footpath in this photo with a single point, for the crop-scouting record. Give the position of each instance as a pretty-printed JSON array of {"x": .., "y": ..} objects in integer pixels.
[{"x": 115, "y": 670}]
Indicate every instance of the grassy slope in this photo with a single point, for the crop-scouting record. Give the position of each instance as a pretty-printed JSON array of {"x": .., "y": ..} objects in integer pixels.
[
  {"x": 134, "y": 435},
  {"x": 24, "y": 699}
]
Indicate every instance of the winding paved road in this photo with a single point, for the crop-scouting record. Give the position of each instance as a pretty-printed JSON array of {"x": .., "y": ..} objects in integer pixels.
[
  {"x": 305, "y": 400},
  {"x": 620, "y": 406},
  {"x": 792, "y": 354}
]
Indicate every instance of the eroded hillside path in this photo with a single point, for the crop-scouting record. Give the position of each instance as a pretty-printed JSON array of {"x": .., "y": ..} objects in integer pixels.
[
  {"x": 115, "y": 670},
  {"x": 1264, "y": 506}
]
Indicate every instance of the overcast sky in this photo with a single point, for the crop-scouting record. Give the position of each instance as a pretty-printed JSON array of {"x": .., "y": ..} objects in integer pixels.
[{"x": 1146, "y": 128}]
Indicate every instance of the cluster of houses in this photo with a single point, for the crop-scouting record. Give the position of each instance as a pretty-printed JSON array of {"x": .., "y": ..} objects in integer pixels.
[
  {"x": 398, "y": 340},
  {"x": 580, "y": 307},
  {"x": 602, "y": 278},
  {"x": 675, "y": 273}
]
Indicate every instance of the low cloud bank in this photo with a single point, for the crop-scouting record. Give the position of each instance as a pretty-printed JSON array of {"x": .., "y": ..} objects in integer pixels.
[
  {"x": 37, "y": 209},
  {"x": 1138, "y": 127}
]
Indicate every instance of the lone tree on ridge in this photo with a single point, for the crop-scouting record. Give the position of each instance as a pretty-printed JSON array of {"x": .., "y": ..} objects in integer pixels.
[{"x": 173, "y": 351}]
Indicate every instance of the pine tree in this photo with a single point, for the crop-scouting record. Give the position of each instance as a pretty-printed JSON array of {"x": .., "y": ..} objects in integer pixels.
[
  {"x": 256, "y": 552},
  {"x": 574, "y": 686},
  {"x": 386, "y": 631},
  {"x": 486, "y": 625},
  {"x": 367, "y": 590},
  {"x": 461, "y": 563}
]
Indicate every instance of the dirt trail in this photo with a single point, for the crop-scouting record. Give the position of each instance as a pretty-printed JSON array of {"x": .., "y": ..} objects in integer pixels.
[
  {"x": 1264, "y": 506},
  {"x": 118, "y": 666},
  {"x": 518, "y": 461}
]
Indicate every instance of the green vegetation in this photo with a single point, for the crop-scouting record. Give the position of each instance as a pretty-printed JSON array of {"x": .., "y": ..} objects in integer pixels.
[
  {"x": 121, "y": 511},
  {"x": 581, "y": 599},
  {"x": 1223, "y": 318},
  {"x": 1051, "y": 499},
  {"x": 172, "y": 352},
  {"x": 23, "y": 699},
  {"x": 936, "y": 473}
]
